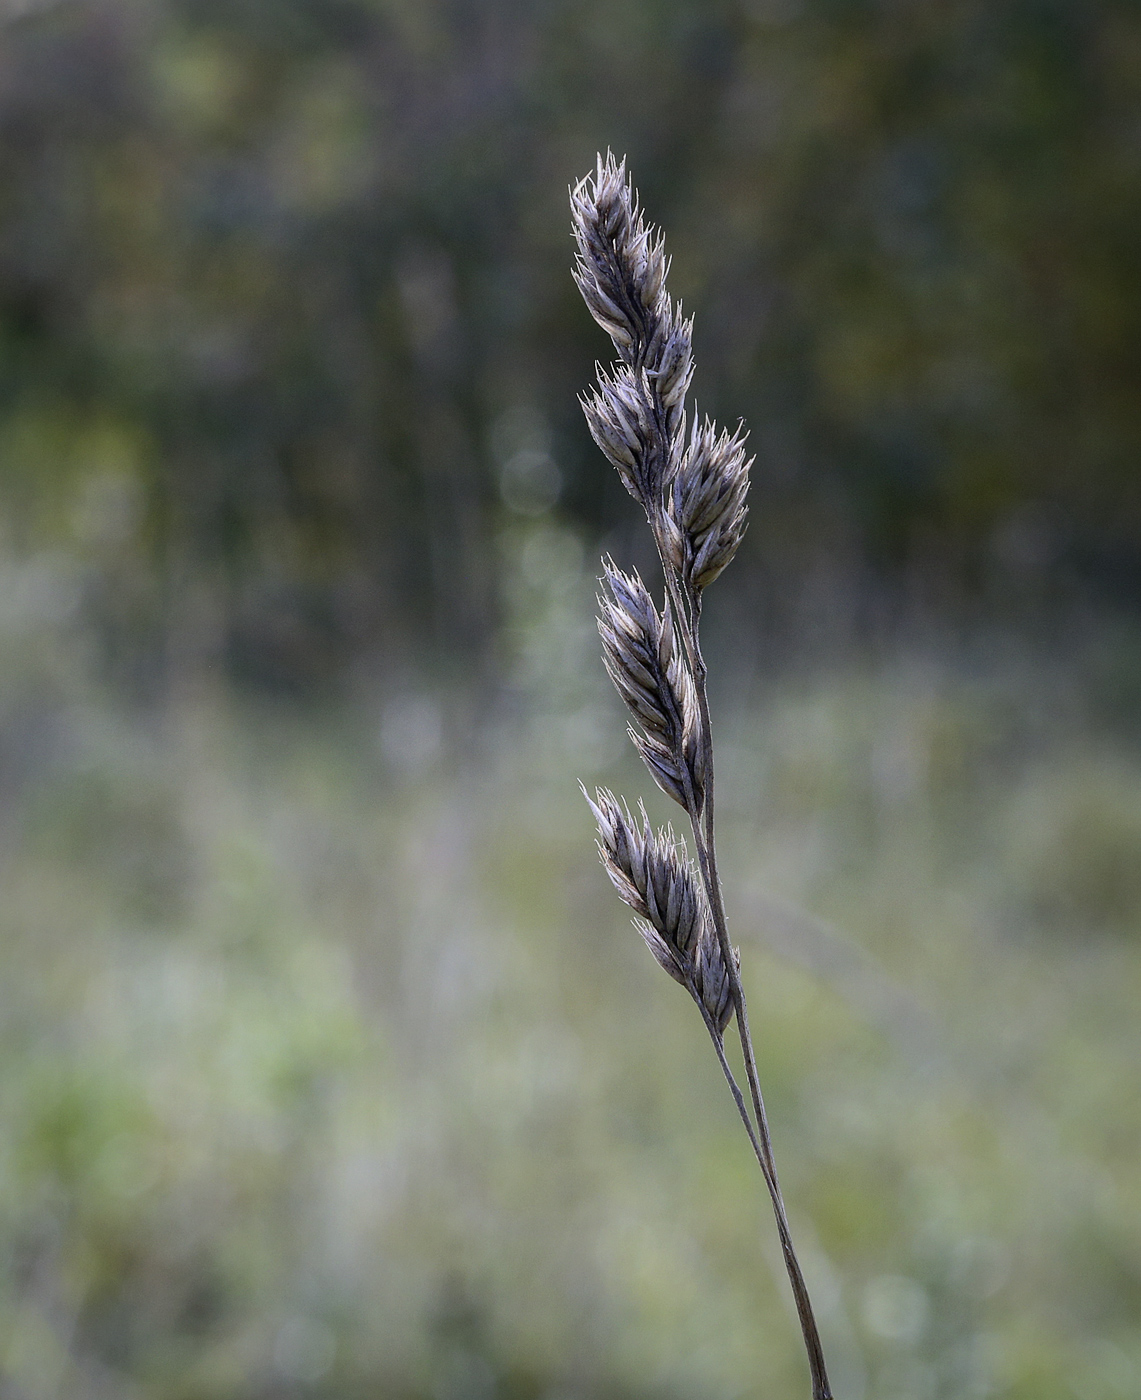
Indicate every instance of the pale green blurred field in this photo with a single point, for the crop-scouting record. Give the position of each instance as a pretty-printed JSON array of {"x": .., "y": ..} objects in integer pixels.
[{"x": 331, "y": 1066}]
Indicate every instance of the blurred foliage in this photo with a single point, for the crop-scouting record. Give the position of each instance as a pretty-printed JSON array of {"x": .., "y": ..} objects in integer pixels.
[
  {"x": 330, "y": 1066},
  {"x": 286, "y": 325}
]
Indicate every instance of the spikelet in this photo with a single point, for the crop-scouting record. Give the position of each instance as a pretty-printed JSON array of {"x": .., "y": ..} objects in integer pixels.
[
  {"x": 620, "y": 416},
  {"x": 645, "y": 663},
  {"x": 705, "y": 506},
  {"x": 711, "y": 979},
  {"x": 653, "y": 875},
  {"x": 671, "y": 370}
]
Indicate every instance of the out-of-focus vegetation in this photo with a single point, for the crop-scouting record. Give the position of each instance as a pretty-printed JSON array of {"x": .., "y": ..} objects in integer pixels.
[
  {"x": 328, "y": 1064},
  {"x": 331, "y": 1067}
]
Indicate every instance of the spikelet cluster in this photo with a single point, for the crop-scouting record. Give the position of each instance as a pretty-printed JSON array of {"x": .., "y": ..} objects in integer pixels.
[
  {"x": 621, "y": 272},
  {"x": 693, "y": 492},
  {"x": 642, "y": 656},
  {"x": 653, "y": 875},
  {"x": 636, "y": 412}
]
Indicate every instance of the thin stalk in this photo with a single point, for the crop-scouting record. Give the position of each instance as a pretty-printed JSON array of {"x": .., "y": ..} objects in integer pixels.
[
  {"x": 820, "y": 1386},
  {"x": 703, "y": 834},
  {"x": 688, "y": 623},
  {"x": 707, "y": 851},
  {"x": 713, "y": 884}
]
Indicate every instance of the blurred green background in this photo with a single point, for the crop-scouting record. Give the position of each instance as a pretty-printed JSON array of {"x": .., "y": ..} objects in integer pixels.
[{"x": 330, "y": 1065}]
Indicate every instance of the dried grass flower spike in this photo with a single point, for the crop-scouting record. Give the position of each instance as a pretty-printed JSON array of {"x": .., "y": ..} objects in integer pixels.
[{"x": 692, "y": 487}]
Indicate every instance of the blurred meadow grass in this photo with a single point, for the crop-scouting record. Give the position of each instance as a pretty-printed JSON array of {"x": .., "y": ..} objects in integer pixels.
[{"x": 329, "y": 1067}]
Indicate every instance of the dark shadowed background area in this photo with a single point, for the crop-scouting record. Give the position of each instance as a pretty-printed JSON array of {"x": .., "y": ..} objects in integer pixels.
[{"x": 330, "y": 1066}]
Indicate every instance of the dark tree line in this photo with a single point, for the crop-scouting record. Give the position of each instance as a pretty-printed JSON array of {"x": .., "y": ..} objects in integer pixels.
[{"x": 273, "y": 273}]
